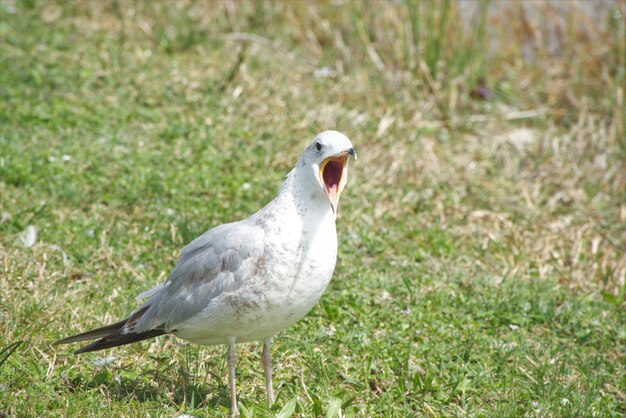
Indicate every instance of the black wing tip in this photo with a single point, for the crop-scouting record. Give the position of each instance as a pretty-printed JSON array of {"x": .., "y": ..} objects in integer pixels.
[
  {"x": 112, "y": 335},
  {"x": 94, "y": 346},
  {"x": 61, "y": 342},
  {"x": 67, "y": 340},
  {"x": 85, "y": 349},
  {"x": 119, "y": 339},
  {"x": 94, "y": 333}
]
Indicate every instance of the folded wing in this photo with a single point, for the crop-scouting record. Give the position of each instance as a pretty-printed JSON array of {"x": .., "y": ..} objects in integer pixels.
[{"x": 222, "y": 260}]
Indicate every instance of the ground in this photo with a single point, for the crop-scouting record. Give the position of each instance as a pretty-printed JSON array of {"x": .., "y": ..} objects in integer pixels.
[{"x": 482, "y": 233}]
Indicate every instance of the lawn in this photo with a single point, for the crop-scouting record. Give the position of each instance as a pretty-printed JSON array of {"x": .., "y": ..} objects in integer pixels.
[{"x": 482, "y": 233}]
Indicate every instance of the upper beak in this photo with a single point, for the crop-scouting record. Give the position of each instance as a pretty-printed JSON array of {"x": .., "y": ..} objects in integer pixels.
[{"x": 352, "y": 152}]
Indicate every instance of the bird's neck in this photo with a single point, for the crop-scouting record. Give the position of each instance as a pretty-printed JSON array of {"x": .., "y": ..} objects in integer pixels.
[
  {"x": 303, "y": 188},
  {"x": 300, "y": 196}
]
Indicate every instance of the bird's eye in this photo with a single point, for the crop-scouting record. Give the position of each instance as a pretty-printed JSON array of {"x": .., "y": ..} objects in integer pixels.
[{"x": 318, "y": 146}]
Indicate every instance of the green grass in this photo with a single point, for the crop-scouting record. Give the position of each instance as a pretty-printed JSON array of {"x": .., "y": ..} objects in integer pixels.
[{"x": 481, "y": 262}]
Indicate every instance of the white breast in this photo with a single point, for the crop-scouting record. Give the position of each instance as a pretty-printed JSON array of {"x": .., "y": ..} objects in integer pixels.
[{"x": 299, "y": 260}]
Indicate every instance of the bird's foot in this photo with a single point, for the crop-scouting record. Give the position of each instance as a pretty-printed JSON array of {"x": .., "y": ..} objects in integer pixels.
[{"x": 234, "y": 412}]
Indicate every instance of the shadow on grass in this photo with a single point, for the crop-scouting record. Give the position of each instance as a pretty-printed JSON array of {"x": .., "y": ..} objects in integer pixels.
[{"x": 151, "y": 386}]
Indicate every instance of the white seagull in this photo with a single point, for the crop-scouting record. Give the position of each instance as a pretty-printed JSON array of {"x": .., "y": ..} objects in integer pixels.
[{"x": 247, "y": 280}]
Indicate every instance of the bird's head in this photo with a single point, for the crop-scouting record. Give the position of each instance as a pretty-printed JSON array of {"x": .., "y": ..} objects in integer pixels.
[{"x": 328, "y": 155}]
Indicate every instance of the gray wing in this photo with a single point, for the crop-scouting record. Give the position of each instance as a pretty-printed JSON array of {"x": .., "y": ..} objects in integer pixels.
[{"x": 220, "y": 261}]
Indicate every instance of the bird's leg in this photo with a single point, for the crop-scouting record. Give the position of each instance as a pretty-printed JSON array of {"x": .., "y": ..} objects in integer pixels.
[
  {"x": 267, "y": 367},
  {"x": 232, "y": 361}
]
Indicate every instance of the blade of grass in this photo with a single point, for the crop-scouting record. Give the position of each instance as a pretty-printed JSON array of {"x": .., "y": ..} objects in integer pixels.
[{"x": 6, "y": 352}]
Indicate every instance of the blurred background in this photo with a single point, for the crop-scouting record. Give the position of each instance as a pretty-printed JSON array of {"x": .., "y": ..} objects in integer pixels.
[{"x": 482, "y": 233}]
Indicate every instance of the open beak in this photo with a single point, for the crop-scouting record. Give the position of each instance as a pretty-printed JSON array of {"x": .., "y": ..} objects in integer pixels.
[{"x": 334, "y": 174}]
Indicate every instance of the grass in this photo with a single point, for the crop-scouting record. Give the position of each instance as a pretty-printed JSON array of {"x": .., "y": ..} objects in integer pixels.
[{"x": 481, "y": 265}]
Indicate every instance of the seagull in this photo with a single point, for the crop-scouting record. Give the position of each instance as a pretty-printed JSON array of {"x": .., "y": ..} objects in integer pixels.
[{"x": 245, "y": 281}]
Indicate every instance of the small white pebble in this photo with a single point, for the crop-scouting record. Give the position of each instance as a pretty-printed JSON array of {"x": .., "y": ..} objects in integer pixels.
[
  {"x": 416, "y": 369},
  {"x": 66, "y": 157},
  {"x": 323, "y": 72},
  {"x": 29, "y": 236},
  {"x": 329, "y": 331},
  {"x": 513, "y": 327},
  {"x": 103, "y": 361},
  {"x": 245, "y": 186},
  {"x": 90, "y": 232}
]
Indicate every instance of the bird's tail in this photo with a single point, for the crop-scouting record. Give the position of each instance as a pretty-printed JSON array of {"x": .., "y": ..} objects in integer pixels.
[{"x": 120, "y": 333}]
